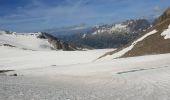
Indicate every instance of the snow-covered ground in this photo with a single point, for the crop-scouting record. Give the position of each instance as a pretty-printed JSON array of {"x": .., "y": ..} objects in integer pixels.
[
  {"x": 45, "y": 74},
  {"x": 15, "y": 58},
  {"x": 74, "y": 75},
  {"x": 25, "y": 41}
]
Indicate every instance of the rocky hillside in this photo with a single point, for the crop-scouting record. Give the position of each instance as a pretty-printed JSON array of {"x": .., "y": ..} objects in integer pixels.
[
  {"x": 156, "y": 40},
  {"x": 157, "y": 43},
  {"x": 110, "y": 35},
  {"x": 59, "y": 44}
]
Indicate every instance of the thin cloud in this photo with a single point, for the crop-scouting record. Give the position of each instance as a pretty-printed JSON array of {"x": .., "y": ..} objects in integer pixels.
[{"x": 157, "y": 9}]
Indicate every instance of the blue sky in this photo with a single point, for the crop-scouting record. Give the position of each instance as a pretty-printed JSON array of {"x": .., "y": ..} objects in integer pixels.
[{"x": 37, "y": 15}]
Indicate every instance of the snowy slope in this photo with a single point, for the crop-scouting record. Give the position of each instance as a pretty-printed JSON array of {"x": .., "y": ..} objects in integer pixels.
[
  {"x": 25, "y": 41},
  {"x": 89, "y": 68},
  {"x": 73, "y": 75},
  {"x": 13, "y": 58}
]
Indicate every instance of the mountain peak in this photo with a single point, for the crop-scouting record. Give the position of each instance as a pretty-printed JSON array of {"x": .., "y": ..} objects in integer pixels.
[
  {"x": 168, "y": 11},
  {"x": 164, "y": 16}
]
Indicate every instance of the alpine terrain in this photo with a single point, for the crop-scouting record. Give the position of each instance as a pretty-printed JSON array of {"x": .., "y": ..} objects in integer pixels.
[{"x": 52, "y": 65}]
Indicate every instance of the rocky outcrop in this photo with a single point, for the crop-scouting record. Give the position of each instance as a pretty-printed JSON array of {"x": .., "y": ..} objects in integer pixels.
[{"x": 56, "y": 43}]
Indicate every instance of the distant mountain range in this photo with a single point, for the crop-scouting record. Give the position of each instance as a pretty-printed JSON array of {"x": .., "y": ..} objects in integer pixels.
[{"x": 103, "y": 36}]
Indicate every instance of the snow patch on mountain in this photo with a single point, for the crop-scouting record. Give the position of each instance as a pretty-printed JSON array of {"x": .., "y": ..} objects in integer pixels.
[
  {"x": 100, "y": 31},
  {"x": 84, "y": 36},
  {"x": 119, "y": 28},
  {"x": 166, "y": 33},
  {"x": 111, "y": 29}
]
